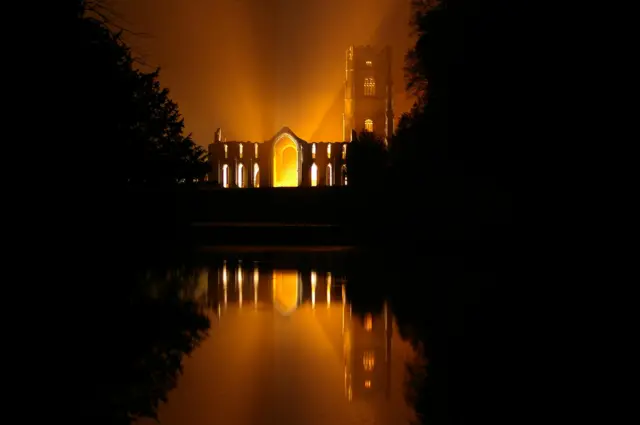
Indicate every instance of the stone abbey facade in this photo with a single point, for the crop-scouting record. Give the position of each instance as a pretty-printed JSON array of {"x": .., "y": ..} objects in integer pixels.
[
  {"x": 284, "y": 161},
  {"x": 288, "y": 161}
]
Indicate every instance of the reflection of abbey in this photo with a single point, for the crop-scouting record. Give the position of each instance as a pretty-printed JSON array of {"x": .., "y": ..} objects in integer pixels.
[
  {"x": 366, "y": 340},
  {"x": 288, "y": 161}
]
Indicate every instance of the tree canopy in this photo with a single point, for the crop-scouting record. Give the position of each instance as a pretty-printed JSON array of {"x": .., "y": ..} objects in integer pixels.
[
  {"x": 125, "y": 121},
  {"x": 367, "y": 161}
]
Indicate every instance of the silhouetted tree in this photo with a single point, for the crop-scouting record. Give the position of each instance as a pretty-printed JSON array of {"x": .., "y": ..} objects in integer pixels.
[
  {"x": 367, "y": 161},
  {"x": 122, "y": 118},
  {"x": 469, "y": 73},
  {"x": 142, "y": 327}
]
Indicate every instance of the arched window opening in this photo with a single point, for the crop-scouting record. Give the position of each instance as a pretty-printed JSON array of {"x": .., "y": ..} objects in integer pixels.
[
  {"x": 344, "y": 151},
  {"x": 256, "y": 150},
  {"x": 329, "y": 180},
  {"x": 226, "y": 151},
  {"x": 343, "y": 175},
  {"x": 240, "y": 177},
  {"x": 225, "y": 175},
  {"x": 256, "y": 175},
  {"x": 368, "y": 125},
  {"x": 329, "y": 150},
  {"x": 313, "y": 151},
  {"x": 369, "y": 86},
  {"x": 314, "y": 175}
]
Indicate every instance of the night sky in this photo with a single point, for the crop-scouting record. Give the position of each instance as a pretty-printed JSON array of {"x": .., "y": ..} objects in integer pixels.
[{"x": 253, "y": 66}]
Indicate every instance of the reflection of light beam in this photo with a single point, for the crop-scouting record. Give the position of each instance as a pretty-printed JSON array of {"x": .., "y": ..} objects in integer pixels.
[
  {"x": 225, "y": 277},
  {"x": 343, "y": 307},
  {"x": 314, "y": 283},
  {"x": 240, "y": 286},
  {"x": 273, "y": 287},
  {"x": 225, "y": 280},
  {"x": 256, "y": 281},
  {"x": 328, "y": 289}
]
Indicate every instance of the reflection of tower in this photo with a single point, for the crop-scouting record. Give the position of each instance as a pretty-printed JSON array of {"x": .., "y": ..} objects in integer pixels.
[
  {"x": 368, "y": 100},
  {"x": 367, "y": 343}
]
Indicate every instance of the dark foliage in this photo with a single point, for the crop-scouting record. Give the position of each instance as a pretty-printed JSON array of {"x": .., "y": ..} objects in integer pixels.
[
  {"x": 125, "y": 126},
  {"x": 367, "y": 161},
  {"x": 142, "y": 326}
]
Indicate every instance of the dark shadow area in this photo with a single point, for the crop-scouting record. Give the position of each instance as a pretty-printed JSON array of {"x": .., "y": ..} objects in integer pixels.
[
  {"x": 459, "y": 310},
  {"x": 137, "y": 325}
]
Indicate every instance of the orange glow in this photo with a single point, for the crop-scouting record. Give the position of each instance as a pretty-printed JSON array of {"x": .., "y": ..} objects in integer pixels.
[
  {"x": 241, "y": 150},
  {"x": 262, "y": 81},
  {"x": 368, "y": 360},
  {"x": 256, "y": 150},
  {"x": 367, "y": 384},
  {"x": 368, "y": 322},
  {"x": 328, "y": 289},
  {"x": 329, "y": 150}
]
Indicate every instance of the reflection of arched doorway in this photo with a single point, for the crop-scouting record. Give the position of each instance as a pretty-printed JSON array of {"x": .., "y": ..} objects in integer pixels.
[
  {"x": 285, "y": 162},
  {"x": 256, "y": 174},
  {"x": 329, "y": 177},
  {"x": 286, "y": 290}
]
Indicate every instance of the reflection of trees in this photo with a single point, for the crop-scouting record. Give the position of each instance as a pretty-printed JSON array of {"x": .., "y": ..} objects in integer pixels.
[
  {"x": 425, "y": 313},
  {"x": 135, "y": 355}
]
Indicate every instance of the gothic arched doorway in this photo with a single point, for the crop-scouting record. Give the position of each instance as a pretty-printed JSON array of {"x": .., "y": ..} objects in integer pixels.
[{"x": 285, "y": 162}]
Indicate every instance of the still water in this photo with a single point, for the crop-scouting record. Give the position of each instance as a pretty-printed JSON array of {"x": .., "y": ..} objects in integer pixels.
[{"x": 269, "y": 345}]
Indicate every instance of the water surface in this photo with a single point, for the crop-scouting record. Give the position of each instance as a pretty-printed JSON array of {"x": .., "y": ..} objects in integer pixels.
[{"x": 285, "y": 346}]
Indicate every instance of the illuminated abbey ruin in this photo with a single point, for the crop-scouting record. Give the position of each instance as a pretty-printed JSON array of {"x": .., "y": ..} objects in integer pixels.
[{"x": 288, "y": 161}]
